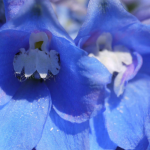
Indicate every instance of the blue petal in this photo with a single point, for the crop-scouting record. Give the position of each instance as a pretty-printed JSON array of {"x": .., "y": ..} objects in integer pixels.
[
  {"x": 99, "y": 138},
  {"x": 125, "y": 116},
  {"x": 147, "y": 126},
  {"x": 10, "y": 43},
  {"x": 148, "y": 147},
  {"x": 23, "y": 118},
  {"x": 110, "y": 16},
  {"x": 12, "y": 7},
  {"x": 78, "y": 91},
  {"x": 145, "y": 66},
  {"x": 61, "y": 134},
  {"x": 143, "y": 144},
  {"x": 34, "y": 15}
]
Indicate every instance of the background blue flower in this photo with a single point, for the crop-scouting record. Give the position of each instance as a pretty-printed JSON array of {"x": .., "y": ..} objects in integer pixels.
[
  {"x": 142, "y": 12},
  {"x": 124, "y": 121}
]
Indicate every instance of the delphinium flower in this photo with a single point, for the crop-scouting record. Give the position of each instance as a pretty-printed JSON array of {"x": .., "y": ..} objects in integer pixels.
[
  {"x": 49, "y": 88},
  {"x": 116, "y": 38}
]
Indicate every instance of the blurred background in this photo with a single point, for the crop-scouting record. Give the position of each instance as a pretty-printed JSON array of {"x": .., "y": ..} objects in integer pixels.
[
  {"x": 71, "y": 13},
  {"x": 2, "y": 13}
]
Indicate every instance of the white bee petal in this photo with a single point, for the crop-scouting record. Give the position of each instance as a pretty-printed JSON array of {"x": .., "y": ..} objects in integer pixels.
[
  {"x": 37, "y": 62},
  {"x": 19, "y": 61},
  {"x": 30, "y": 63},
  {"x": 42, "y": 63}
]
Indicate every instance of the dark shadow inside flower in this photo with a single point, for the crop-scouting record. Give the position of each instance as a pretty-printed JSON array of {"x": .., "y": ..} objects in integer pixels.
[
  {"x": 143, "y": 144},
  {"x": 66, "y": 126},
  {"x": 25, "y": 93},
  {"x": 2, "y": 13},
  {"x": 113, "y": 103},
  {"x": 99, "y": 130},
  {"x": 114, "y": 100},
  {"x": 119, "y": 148},
  {"x": 145, "y": 66}
]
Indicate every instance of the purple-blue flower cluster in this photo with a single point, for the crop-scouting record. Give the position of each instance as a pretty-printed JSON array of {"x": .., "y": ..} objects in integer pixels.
[{"x": 91, "y": 93}]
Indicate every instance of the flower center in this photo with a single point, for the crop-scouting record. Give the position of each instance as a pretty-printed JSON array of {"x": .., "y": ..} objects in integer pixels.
[
  {"x": 116, "y": 60},
  {"x": 37, "y": 62}
]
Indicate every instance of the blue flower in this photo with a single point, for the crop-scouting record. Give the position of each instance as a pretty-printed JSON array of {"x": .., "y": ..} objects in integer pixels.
[
  {"x": 49, "y": 88},
  {"x": 118, "y": 39}
]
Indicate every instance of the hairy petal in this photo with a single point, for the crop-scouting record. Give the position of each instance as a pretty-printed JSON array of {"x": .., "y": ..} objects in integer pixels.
[
  {"x": 10, "y": 43},
  {"x": 61, "y": 134},
  {"x": 23, "y": 118},
  {"x": 12, "y": 7},
  {"x": 99, "y": 138},
  {"x": 125, "y": 116}
]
